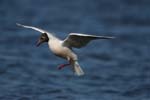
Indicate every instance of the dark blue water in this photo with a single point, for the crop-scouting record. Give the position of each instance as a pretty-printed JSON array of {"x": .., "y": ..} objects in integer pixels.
[{"x": 115, "y": 69}]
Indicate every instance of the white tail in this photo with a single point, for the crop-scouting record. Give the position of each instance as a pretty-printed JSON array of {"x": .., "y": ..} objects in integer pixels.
[{"x": 77, "y": 69}]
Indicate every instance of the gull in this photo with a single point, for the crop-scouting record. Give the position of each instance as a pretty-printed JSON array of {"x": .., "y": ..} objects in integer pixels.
[{"x": 64, "y": 48}]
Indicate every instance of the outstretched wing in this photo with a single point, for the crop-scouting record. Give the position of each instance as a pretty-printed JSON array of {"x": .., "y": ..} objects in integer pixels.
[
  {"x": 37, "y": 29},
  {"x": 31, "y": 27},
  {"x": 79, "y": 40}
]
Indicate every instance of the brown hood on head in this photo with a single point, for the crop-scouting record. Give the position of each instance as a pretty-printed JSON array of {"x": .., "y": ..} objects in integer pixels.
[{"x": 43, "y": 38}]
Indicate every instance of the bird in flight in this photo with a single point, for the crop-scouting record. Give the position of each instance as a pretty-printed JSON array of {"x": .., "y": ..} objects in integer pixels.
[{"x": 63, "y": 48}]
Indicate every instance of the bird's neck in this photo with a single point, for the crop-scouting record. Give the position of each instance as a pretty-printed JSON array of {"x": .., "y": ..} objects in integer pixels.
[{"x": 52, "y": 37}]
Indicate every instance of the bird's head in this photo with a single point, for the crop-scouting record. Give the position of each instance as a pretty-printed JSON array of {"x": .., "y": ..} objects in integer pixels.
[{"x": 43, "y": 38}]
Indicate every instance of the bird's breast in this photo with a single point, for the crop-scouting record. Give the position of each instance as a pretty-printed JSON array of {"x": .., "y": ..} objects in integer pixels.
[{"x": 58, "y": 49}]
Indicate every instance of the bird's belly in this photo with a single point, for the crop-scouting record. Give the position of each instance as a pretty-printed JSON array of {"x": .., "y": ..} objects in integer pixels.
[{"x": 61, "y": 51}]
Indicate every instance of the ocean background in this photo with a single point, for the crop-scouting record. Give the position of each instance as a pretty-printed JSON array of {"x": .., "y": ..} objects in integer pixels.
[{"x": 117, "y": 69}]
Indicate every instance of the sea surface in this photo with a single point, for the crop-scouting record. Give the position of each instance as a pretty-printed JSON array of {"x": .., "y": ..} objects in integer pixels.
[{"x": 117, "y": 69}]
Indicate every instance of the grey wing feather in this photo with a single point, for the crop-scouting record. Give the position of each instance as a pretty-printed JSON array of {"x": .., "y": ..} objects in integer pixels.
[{"x": 79, "y": 40}]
